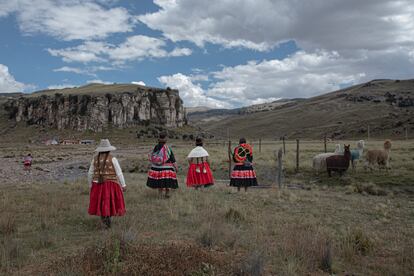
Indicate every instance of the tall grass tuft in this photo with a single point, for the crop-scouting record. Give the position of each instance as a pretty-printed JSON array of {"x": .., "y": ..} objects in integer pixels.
[
  {"x": 356, "y": 242},
  {"x": 252, "y": 265},
  {"x": 306, "y": 248},
  {"x": 8, "y": 224}
]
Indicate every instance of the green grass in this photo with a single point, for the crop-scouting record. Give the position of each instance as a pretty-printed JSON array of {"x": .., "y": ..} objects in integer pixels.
[{"x": 333, "y": 225}]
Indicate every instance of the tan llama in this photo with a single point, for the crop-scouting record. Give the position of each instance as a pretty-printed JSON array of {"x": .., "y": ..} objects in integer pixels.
[{"x": 380, "y": 157}]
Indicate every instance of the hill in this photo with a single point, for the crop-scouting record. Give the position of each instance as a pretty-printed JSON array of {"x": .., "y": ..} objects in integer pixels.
[
  {"x": 96, "y": 106},
  {"x": 382, "y": 107},
  {"x": 96, "y": 89},
  {"x": 200, "y": 115}
]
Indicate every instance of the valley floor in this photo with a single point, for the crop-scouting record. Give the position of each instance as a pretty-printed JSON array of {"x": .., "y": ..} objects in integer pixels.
[{"x": 358, "y": 224}]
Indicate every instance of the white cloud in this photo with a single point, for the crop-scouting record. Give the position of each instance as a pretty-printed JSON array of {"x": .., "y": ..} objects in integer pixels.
[
  {"x": 7, "y": 7},
  {"x": 89, "y": 71},
  {"x": 192, "y": 94},
  {"x": 139, "y": 83},
  {"x": 99, "y": 81},
  {"x": 262, "y": 101},
  {"x": 87, "y": 52},
  {"x": 139, "y": 46},
  {"x": 69, "y": 19},
  {"x": 300, "y": 75},
  {"x": 135, "y": 47},
  {"x": 61, "y": 86},
  {"x": 334, "y": 25},
  {"x": 69, "y": 69},
  {"x": 9, "y": 84}
]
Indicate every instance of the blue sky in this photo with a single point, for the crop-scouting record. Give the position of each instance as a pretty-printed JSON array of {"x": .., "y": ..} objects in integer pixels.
[{"x": 218, "y": 53}]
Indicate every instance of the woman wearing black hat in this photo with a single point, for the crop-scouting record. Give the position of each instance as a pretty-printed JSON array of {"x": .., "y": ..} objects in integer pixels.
[
  {"x": 162, "y": 175},
  {"x": 243, "y": 174}
]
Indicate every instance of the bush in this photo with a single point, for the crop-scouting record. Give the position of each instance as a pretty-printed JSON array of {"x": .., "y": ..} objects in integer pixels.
[
  {"x": 233, "y": 215},
  {"x": 356, "y": 242},
  {"x": 252, "y": 265},
  {"x": 217, "y": 234},
  {"x": 306, "y": 248},
  {"x": 370, "y": 188},
  {"x": 8, "y": 224}
]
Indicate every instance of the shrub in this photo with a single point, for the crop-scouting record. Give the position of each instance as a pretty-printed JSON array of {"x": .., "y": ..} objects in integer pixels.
[
  {"x": 356, "y": 242},
  {"x": 370, "y": 188},
  {"x": 217, "y": 234},
  {"x": 8, "y": 224},
  {"x": 306, "y": 248},
  {"x": 252, "y": 265},
  {"x": 233, "y": 215}
]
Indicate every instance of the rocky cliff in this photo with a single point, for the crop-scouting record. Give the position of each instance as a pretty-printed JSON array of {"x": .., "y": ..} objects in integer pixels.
[{"x": 94, "y": 107}]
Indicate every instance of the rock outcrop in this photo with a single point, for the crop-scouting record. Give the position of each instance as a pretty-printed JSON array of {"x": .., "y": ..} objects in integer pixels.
[{"x": 126, "y": 106}]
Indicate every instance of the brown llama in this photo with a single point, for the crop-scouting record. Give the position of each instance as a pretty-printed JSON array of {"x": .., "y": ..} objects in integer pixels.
[
  {"x": 380, "y": 157},
  {"x": 339, "y": 163}
]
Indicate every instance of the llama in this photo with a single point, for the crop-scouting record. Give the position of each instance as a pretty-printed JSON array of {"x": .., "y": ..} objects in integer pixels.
[
  {"x": 356, "y": 154},
  {"x": 319, "y": 161},
  {"x": 339, "y": 163},
  {"x": 380, "y": 157}
]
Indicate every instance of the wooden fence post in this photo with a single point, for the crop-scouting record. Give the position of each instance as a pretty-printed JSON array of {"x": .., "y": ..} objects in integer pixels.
[
  {"x": 297, "y": 155},
  {"x": 324, "y": 141},
  {"x": 279, "y": 168},
  {"x": 406, "y": 133},
  {"x": 260, "y": 144},
  {"x": 229, "y": 152},
  {"x": 284, "y": 145}
]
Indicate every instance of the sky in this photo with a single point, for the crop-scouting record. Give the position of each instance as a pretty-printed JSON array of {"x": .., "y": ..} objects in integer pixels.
[{"x": 217, "y": 53}]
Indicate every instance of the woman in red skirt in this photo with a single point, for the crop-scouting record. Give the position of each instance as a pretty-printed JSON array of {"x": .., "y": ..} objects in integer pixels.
[
  {"x": 107, "y": 185},
  {"x": 163, "y": 172},
  {"x": 243, "y": 174},
  {"x": 199, "y": 173}
]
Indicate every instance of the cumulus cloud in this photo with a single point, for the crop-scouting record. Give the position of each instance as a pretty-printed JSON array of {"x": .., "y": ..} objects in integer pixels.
[
  {"x": 61, "y": 86},
  {"x": 340, "y": 42},
  {"x": 90, "y": 71},
  {"x": 192, "y": 94},
  {"x": 139, "y": 83},
  {"x": 89, "y": 51},
  {"x": 99, "y": 81},
  {"x": 135, "y": 47},
  {"x": 71, "y": 70},
  {"x": 140, "y": 46},
  {"x": 68, "y": 20},
  {"x": 262, "y": 24},
  {"x": 8, "y": 84},
  {"x": 300, "y": 75}
]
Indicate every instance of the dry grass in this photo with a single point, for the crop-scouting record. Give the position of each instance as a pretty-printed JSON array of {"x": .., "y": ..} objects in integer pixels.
[{"x": 328, "y": 227}]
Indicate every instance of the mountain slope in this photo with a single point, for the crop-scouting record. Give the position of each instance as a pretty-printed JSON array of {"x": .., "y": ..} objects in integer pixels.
[{"x": 386, "y": 107}]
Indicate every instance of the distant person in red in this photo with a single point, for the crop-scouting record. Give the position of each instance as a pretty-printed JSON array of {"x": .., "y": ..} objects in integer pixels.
[
  {"x": 243, "y": 174},
  {"x": 107, "y": 185},
  {"x": 27, "y": 163},
  {"x": 199, "y": 173}
]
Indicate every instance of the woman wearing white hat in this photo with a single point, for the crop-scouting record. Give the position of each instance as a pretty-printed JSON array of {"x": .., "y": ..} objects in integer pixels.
[{"x": 107, "y": 184}]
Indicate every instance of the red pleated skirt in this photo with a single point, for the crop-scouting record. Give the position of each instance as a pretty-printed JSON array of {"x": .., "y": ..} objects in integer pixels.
[
  {"x": 199, "y": 175},
  {"x": 106, "y": 200}
]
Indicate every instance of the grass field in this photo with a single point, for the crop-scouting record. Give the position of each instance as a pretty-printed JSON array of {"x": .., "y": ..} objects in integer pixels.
[{"x": 361, "y": 223}]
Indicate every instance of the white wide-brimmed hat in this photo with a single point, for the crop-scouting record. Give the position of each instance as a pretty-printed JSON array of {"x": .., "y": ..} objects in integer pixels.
[{"x": 104, "y": 145}]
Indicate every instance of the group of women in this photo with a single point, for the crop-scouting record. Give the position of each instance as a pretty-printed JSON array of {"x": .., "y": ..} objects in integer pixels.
[{"x": 107, "y": 181}]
